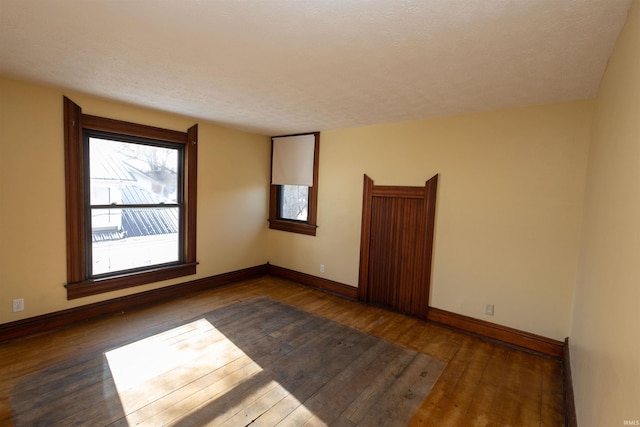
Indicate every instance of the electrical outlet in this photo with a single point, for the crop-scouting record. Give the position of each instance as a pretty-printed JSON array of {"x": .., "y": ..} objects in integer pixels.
[
  {"x": 488, "y": 309},
  {"x": 18, "y": 304},
  {"x": 321, "y": 268}
]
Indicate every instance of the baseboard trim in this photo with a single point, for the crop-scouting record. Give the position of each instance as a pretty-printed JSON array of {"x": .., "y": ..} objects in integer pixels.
[
  {"x": 50, "y": 321},
  {"x": 571, "y": 420},
  {"x": 505, "y": 334},
  {"x": 526, "y": 340},
  {"x": 337, "y": 288},
  {"x": 47, "y": 322}
]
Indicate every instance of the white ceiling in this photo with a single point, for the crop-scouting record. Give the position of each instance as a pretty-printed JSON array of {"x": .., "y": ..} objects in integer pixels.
[{"x": 285, "y": 66}]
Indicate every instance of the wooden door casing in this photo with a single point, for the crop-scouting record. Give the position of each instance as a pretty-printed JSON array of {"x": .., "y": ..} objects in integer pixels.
[{"x": 396, "y": 246}]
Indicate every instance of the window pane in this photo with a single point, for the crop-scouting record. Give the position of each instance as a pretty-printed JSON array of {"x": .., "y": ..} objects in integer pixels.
[
  {"x": 129, "y": 173},
  {"x": 294, "y": 202},
  {"x": 124, "y": 239}
]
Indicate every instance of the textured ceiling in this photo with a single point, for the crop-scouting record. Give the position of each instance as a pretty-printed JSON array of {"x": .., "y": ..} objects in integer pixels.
[{"x": 285, "y": 66}]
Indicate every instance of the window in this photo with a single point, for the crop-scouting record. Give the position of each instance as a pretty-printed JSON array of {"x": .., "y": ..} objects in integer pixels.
[
  {"x": 294, "y": 202},
  {"x": 134, "y": 200},
  {"x": 131, "y": 203},
  {"x": 294, "y": 183}
]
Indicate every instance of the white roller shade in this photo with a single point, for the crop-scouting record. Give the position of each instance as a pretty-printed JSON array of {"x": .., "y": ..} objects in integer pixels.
[{"x": 292, "y": 162}]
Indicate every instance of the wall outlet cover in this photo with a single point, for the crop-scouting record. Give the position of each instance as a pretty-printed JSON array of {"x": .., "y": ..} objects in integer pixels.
[{"x": 18, "y": 304}]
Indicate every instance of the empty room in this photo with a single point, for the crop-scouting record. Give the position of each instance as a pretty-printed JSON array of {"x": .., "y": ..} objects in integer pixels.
[{"x": 320, "y": 213}]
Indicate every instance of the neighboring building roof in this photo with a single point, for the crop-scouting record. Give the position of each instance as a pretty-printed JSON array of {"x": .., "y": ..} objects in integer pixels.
[
  {"x": 108, "y": 165},
  {"x": 136, "y": 222},
  {"x": 148, "y": 221}
]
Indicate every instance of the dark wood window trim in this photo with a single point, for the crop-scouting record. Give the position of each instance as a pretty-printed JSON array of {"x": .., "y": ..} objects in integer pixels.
[
  {"x": 302, "y": 227},
  {"x": 79, "y": 283}
]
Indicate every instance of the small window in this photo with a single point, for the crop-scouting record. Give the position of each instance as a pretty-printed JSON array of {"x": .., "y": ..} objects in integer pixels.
[
  {"x": 294, "y": 202},
  {"x": 294, "y": 183},
  {"x": 131, "y": 203}
]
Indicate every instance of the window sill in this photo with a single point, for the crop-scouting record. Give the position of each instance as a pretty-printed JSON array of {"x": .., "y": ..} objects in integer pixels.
[
  {"x": 293, "y": 227},
  {"x": 98, "y": 286}
]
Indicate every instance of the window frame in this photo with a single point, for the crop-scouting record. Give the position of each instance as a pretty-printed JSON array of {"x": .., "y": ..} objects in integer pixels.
[
  {"x": 276, "y": 222},
  {"x": 79, "y": 282}
]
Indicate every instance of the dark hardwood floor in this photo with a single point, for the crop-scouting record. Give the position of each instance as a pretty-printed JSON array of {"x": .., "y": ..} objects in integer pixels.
[{"x": 269, "y": 351}]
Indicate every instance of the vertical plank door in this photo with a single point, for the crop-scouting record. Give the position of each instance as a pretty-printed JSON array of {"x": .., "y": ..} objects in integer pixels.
[{"x": 396, "y": 246}]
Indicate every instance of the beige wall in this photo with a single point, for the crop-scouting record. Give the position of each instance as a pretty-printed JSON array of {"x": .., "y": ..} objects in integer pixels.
[
  {"x": 510, "y": 195},
  {"x": 507, "y": 225},
  {"x": 233, "y": 173},
  {"x": 605, "y": 328}
]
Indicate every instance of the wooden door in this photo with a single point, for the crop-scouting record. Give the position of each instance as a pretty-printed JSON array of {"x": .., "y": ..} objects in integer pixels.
[{"x": 396, "y": 246}]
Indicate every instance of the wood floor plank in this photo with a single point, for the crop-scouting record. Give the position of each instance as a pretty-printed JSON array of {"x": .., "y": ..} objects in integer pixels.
[
  {"x": 333, "y": 398},
  {"x": 366, "y": 400},
  {"x": 337, "y": 394},
  {"x": 407, "y": 404},
  {"x": 482, "y": 383},
  {"x": 480, "y": 409},
  {"x": 198, "y": 341},
  {"x": 298, "y": 344},
  {"x": 301, "y": 412},
  {"x": 299, "y": 384},
  {"x": 415, "y": 378},
  {"x": 551, "y": 407},
  {"x": 324, "y": 366},
  {"x": 457, "y": 407},
  {"x": 521, "y": 383},
  {"x": 264, "y": 352},
  {"x": 450, "y": 401}
]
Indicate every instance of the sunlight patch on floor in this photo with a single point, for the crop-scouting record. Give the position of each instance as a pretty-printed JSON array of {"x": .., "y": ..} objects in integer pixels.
[
  {"x": 147, "y": 370},
  {"x": 176, "y": 375},
  {"x": 143, "y": 360}
]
